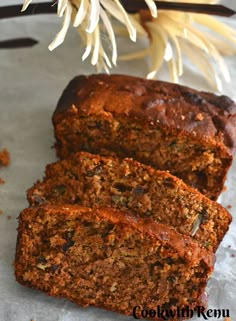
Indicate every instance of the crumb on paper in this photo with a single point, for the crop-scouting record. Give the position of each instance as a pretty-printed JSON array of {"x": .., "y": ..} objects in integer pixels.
[
  {"x": 4, "y": 157},
  {"x": 2, "y": 181},
  {"x": 1, "y": 212},
  {"x": 9, "y": 217},
  {"x": 229, "y": 207}
]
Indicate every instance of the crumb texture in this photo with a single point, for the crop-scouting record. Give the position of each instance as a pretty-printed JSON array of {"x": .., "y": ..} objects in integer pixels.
[
  {"x": 127, "y": 185},
  {"x": 109, "y": 259}
]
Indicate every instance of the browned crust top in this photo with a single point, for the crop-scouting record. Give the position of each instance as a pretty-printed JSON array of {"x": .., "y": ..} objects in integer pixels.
[
  {"x": 184, "y": 245},
  {"x": 198, "y": 113}
]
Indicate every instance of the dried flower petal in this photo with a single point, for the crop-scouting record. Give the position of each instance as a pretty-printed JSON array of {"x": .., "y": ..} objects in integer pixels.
[
  {"x": 111, "y": 34},
  {"x": 152, "y": 7},
  {"x": 93, "y": 16},
  {"x": 61, "y": 7},
  {"x": 88, "y": 46},
  {"x": 58, "y": 40},
  {"x": 26, "y": 4},
  {"x": 81, "y": 13},
  {"x": 95, "y": 55}
]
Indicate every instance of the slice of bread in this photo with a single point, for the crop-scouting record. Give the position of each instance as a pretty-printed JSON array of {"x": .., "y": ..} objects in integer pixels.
[
  {"x": 100, "y": 181},
  {"x": 109, "y": 259}
]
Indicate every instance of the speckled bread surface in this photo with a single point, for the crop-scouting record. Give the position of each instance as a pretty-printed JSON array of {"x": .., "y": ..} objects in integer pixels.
[
  {"x": 109, "y": 259},
  {"x": 168, "y": 126},
  {"x": 100, "y": 181}
]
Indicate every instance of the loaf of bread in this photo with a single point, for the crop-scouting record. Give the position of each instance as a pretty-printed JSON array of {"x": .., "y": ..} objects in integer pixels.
[
  {"x": 170, "y": 127},
  {"x": 100, "y": 181},
  {"x": 109, "y": 259}
]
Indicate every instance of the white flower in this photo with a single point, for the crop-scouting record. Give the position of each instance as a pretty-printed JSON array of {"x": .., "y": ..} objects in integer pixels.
[
  {"x": 171, "y": 35},
  {"x": 88, "y": 16}
]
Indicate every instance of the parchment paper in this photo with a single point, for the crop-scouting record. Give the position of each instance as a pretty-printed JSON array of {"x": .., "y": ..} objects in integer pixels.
[{"x": 31, "y": 81}]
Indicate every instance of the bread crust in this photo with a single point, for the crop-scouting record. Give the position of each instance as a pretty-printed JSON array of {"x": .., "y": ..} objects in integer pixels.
[{"x": 206, "y": 115}]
